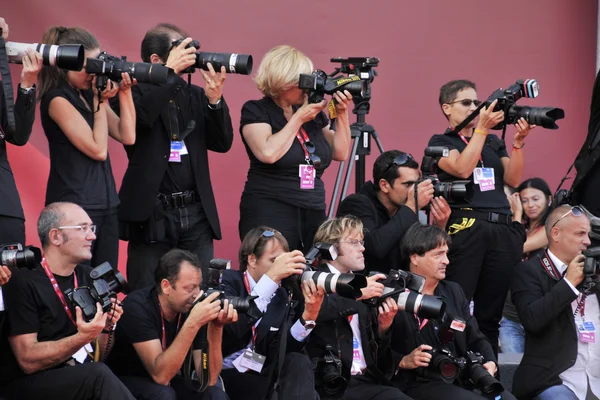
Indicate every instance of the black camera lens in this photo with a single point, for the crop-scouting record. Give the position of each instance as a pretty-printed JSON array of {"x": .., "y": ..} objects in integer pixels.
[
  {"x": 542, "y": 116},
  {"x": 482, "y": 379},
  {"x": 454, "y": 192},
  {"x": 333, "y": 382},
  {"x": 444, "y": 365},
  {"x": 234, "y": 63},
  {"x": 15, "y": 256}
]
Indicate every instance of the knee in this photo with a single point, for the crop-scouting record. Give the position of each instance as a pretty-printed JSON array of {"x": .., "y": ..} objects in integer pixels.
[{"x": 161, "y": 392}]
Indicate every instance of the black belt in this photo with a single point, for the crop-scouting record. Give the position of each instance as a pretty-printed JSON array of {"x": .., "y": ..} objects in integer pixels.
[
  {"x": 179, "y": 199},
  {"x": 505, "y": 219}
]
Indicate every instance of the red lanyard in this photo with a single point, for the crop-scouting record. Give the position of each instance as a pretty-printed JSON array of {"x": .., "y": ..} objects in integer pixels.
[
  {"x": 57, "y": 290},
  {"x": 302, "y": 139},
  {"x": 464, "y": 139},
  {"x": 247, "y": 284},
  {"x": 423, "y": 323},
  {"x": 164, "y": 333}
]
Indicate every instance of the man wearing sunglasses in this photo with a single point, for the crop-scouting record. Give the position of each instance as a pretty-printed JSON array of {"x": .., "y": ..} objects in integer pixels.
[
  {"x": 486, "y": 243},
  {"x": 387, "y": 208},
  {"x": 265, "y": 261},
  {"x": 560, "y": 314},
  {"x": 52, "y": 352}
]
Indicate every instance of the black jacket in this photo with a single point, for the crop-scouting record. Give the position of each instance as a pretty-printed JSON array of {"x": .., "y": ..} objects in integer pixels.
[
  {"x": 10, "y": 205},
  {"x": 149, "y": 156},
  {"x": 383, "y": 233},
  {"x": 544, "y": 307},
  {"x": 406, "y": 335}
]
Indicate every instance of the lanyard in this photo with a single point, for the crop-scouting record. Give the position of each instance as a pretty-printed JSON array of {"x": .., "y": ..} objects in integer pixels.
[
  {"x": 164, "y": 333},
  {"x": 464, "y": 139},
  {"x": 302, "y": 139},
  {"x": 421, "y": 323},
  {"x": 247, "y": 284},
  {"x": 57, "y": 290},
  {"x": 549, "y": 266}
]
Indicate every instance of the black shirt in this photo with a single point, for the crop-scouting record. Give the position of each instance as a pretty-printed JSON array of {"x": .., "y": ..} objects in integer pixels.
[
  {"x": 281, "y": 179},
  {"x": 492, "y": 153},
  {"x": 75, "y": 177},
  {"x": 141, "y": 322},
  {"x": 32, "y": 306}
]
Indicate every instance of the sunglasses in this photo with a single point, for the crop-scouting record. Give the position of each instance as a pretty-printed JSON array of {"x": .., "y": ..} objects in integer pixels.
[
  {"x": 268, "y": 234},
  {"x": 467, "y": 102},
  {"x": 315, "y": 160},
  {"x": 400, "y": 161},
  {"x": 575, "y": 210}
]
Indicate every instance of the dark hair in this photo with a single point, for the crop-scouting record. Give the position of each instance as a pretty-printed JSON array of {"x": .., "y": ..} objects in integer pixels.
[
  {"x": 541, "y": 185},
  {"x": 169, "y": 266},
  {"x": 51, "y": 77},
  {"x": 255, "y": 242},
  {"x": 450, "y": 90},
  {"x": 158, "y": 41},
  {"x": 382, "y": 167},
  {"x": 419, "y": 239}
]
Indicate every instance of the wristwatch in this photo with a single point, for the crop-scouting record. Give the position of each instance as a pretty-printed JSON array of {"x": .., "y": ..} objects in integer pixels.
[
  {"x": 307, "y": 324},
  {"x": 217, "y": 106},
  {"x": 26, "y": 90}
]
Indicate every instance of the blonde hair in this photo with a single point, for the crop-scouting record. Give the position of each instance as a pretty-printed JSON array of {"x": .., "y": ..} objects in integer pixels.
[
  {"x": 280, "y": 68},
  {"x": 332, "y": 231}
]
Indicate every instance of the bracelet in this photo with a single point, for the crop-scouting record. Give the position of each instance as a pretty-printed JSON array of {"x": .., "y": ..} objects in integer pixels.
[
  {"x": 111, "y": 329},
  {"x": 517, "y": 147},
  {"x": 484, "y": 133}
]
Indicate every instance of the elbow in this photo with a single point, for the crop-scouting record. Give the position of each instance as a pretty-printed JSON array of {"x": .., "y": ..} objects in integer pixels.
[
  {"x": 99, "y": 155},
  {"x": 464, "y": 174},
  {"x": 128, "y": 141},
  {"x": 267, "y": 157},
  {"x": 161, "y": 380},
  {"x": 341, "y": 155},
  {"x": 28, "y": 367}
]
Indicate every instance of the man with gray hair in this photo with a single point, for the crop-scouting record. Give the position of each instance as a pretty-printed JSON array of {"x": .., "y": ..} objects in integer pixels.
[{"x": 52, "y": 351}]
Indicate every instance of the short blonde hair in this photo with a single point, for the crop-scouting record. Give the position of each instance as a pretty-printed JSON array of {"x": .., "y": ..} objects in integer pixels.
[
  {"x": 332, "y": 231},
  {"x": 280, "y": 69}
]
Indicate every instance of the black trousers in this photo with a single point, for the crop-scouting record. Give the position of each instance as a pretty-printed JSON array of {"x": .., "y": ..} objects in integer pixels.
[
  {"x": 362, "y": 387},
  {"x": 184, "y": 228},
  {"x": 12, "y": 230},
  {"x": 482, "y": 259},
  {"x": 106, "y": 245},
  {"x": 147, "y": 389},
  {"x": 297, "y": 225},
  {"x": 441, "y": 390},
  {"x": 90, "y": 381}
]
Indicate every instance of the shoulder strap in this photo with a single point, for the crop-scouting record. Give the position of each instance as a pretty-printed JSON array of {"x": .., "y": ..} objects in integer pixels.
[
  {"x": 8, "y": 90},
  {"x": 549, "y": 266}
]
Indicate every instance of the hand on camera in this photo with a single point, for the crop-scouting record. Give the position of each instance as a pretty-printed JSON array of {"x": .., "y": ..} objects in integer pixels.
[
  {"x": 114, "y": 314},
  {"x": 373, "y": 288},
  {"x": 181, "y": 58},
  {"x": 575, "y": 270},
  {"x": 342, "y": 101},
  {"x": 5, "y": 274},
  {"x": 214, "y": 83},
  {"x": 206, "y": 310},
  {"x": 4, "y": 27},
  {"x": 387, "y": 312},
  {"x": 490, "y": 367},
  {"x": 424, "y": 195},
  {"x": 90, "y": 330},
  {"x": 227, "y": 315},
  {"x": 126, "y": 83},
  {"x": 111, "y": 90},
  {"x": 32, "y": 65},
  {"x": 440, "y": 212},
  {"x": 488, "y": 118},
  {"x": 523, "y": 129},
  {"x": 309, "y": 111},
  {"x": 313, "y": 298},
  {"x": 287, "y": 264},
  {"x": 516, "y": 207},
  {"x": 419, "y": 357}
]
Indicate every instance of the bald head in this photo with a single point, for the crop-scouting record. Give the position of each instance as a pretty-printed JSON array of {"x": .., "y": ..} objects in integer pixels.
[
  {"x": 568, "y": 231},
  {"x": 558, "y": 214}
]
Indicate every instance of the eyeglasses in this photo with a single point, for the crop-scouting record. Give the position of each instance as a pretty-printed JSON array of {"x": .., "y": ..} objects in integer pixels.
[
  {"x": 575, "y": 210},
  {"x": 84, "y": 228},
  {"x": 467, "y": 102},
  {"x": 315, "y": 160},
  {"x": 355, "y": 243},
  {"x": 400, "y": 160}
]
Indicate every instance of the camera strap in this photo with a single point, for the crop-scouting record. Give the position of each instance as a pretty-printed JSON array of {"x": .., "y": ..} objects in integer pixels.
[
  {"x": 549, "y": 267},
  {"x": 302, "y": 137},
  {"x": 57, "y": 290},
  {"x": 8, "y": 90},
  {"x": 273, "y": 393},
  {"x": 247, "y": 285}
]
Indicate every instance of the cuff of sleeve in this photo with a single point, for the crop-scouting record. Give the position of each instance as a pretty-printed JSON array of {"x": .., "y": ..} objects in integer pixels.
[
  {"x": 572, "y": 287},
  {"x": 265, "y": 288},
  {"x": 298, "y": 332}
]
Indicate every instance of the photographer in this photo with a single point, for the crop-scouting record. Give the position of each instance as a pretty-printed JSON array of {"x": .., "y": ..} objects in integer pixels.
[
  {"x": 166, "y": 197},
  {"x": 560, "y": 314},
  {"x": 486, "y": 243},
  {"x": 290, "y": 144},
  {"x": 359, "y": 336},
  {"x": 387, "y": 208},
  {"x": 52, "y": 352},
  {"x": 77, "y": 122},
  {"x": 161, "y": 324},
  {"x": 415, "y": 339},
  {"x": 12, "y": 219},
  {"x": 265, "y": 261}
]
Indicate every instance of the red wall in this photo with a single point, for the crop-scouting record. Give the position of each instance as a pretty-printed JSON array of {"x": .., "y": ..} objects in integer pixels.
[{"x": 421, "y": 44}]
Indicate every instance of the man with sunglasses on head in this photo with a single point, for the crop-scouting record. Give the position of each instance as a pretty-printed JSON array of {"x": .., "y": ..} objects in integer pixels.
[
  {"x": 486, "y": 243},
  {"x": 560, "y": 313},
  {"x": 52, "y": 352},
  {"x": 265, "y": 263},
  {"x": 387, "y": 208}
]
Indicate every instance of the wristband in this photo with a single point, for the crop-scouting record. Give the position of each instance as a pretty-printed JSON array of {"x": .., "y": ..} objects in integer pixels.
[
  {"x": 517, "y": 147},
  {"x": 484, "y": 133},
  {"x": 110, "y": 330}
]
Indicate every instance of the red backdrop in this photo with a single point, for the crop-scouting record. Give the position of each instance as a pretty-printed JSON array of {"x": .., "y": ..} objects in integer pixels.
[{"x": 421, "y": 45}]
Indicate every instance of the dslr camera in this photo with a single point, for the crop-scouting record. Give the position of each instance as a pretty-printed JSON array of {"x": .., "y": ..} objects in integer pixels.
[
  {"x": 328, "y": 374},
  {"x": 64, "y": 56},
  {"x": 234, "y": 63},
  {"x": 543, "y": 116},
  {"x": 106, "y": 284},
  {"x": 110, "y": 67},
  {"x": 454, "y": 192},
  {"x": 15, "y": 256},
  {"x": 591, "y": 265}
]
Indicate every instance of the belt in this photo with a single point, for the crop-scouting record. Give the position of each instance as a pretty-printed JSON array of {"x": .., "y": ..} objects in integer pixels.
[
  {"x": 493, "y": 217},
  {"x": 179, "y": 199}
]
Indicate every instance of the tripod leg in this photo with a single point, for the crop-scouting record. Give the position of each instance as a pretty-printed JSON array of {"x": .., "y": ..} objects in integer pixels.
[
  {"x": 336, "y": 190},
  {"x": 377, "y": 141},
  {"x": 350, "y": 167}
]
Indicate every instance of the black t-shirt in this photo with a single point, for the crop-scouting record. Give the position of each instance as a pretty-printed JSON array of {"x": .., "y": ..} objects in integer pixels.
[
  {"x": 141, "y": 322},
  {"x": 75, "y": 177},
  {"x": 281, "y": 179},
  {"x": 33, "y": 306},
  {"x": 493, "y": 151}
]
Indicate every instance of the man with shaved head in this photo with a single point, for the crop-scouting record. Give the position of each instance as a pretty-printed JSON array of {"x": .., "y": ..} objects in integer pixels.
[{"x": 559, "y": 310}]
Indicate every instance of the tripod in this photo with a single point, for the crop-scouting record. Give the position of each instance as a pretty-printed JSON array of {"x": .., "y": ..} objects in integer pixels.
[{"x": 361, "y": 134}]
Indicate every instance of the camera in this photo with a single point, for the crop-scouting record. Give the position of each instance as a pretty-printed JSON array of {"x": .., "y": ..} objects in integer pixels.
[
  {"x": 214, "y": 276},
  {"x": 591, "y": 265},
  {"x": 64, "y": 56},
  {"x": 15, "y": 256},
  {"x": 106, "y": 284},
  {"x": 234, "y": 63},
  {"x": 318, "y": 84},
  {"x": 111, "y": 67},
  {"x": 454, "y": 192},
  {"x": 479, "y": 376},
  {"x": 543, "y": 116},
  {"x": 328, "y": 374}
]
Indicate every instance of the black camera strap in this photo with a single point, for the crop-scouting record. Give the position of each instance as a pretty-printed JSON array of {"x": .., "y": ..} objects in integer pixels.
[
  {"x": 201, "y": 384},
  {"x": 549, "y": 267},
  {"x": 8, "y": 91},
  {"x": 273, "y": 393}
]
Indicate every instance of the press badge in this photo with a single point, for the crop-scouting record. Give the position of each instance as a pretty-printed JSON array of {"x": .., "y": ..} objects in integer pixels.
[
  {"x": 252, "y": 360},
  {"x": 307, "y": 176},
  {"x": 178, "y": 149},
  {"x": 82, "y": 353},
  {"x": 484, "y": 177},
  {"x": 587, "y": 332}
]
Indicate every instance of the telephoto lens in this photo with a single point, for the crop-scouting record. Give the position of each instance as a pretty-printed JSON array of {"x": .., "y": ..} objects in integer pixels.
[{"x": 64, "y": 56}]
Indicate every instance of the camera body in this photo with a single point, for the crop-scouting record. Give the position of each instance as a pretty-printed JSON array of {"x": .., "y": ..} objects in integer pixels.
[
  {"x": 106, "y": 284},
  {"x": 14, "y": 255},
  {"x": 318, "y": 84},
  {"x": 110, "y": 67},
  {"x": 234, "y": 63},
  {"x": 591, "y": 265},
  {"x": 454, "y": 192},
  {"x": 328, "y": 374}
]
